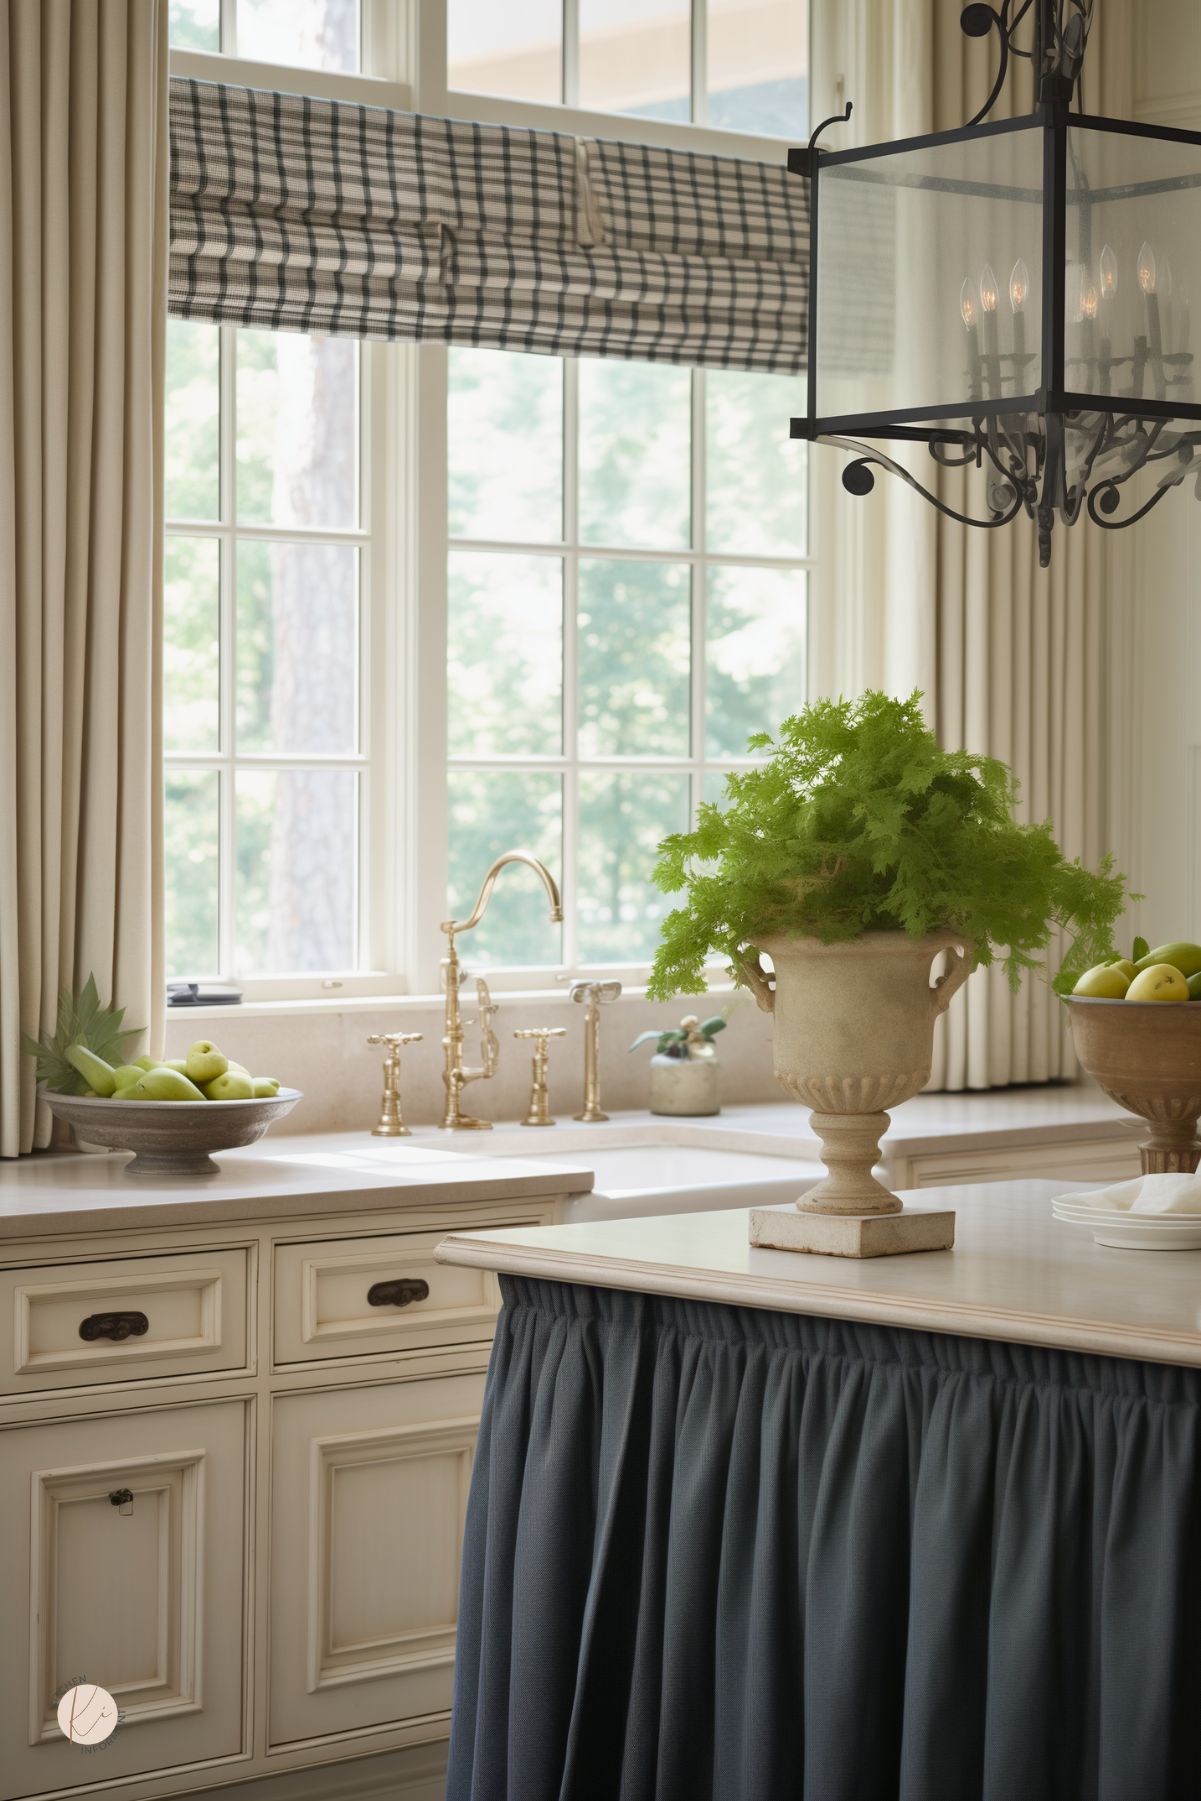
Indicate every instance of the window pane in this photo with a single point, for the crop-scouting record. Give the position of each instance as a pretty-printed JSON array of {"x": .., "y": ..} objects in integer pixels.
[
  {"x": 310, "y": 34},
  {"x": 297, "y": 412},
  {"x": 297, "y": 839},
  {"x": 755, "y": 474},
  {"x": 755, "y": 674},
  {"x": 193, "y": 403},
  {"x": 623, "y": 817},
  {"x": 512, "y": 50},
  {"x": 491, "y": 812},
  {"x": 635, "y": 57},
  {"x": 635, "y": 468},
  {"x": 194, "y": 25},
  {"x": 635, "y": 657},
  {"x": 505, "y": 443},
  {"x": 190, "y": 816},
  {"x": 298, "y": 650},
  {"x": 191, "y": 639},
  {"x": 505, "y": 655},
  {"x": 759, "y": 67}
]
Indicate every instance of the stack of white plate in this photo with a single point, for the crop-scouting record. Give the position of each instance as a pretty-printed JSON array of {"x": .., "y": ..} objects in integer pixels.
[{"x": 1131, "y": 1231}]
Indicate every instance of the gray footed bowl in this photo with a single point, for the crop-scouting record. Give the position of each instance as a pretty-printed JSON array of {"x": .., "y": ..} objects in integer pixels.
[{"x": 170, "y": 1138}]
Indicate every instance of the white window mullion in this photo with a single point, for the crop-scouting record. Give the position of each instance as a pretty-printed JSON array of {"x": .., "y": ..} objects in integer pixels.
[
  {"x": 700, "y": 62},
  {"x": 571, "y": 52},
  {"x": 571, "y": 660},
  {"x": 227, "y": 641}
]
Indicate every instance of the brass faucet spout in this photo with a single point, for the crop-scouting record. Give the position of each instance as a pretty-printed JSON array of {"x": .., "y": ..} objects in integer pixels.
[{"x": 451, "y": 926}]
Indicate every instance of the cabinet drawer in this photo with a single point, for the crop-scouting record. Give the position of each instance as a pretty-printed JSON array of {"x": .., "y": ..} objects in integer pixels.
[
  {"x": 62, "y": 1323},
  {"x": 123, "y": 1568},
  {"x": 369, "y": 1488},
  {"x": 333, "y": 1299}
]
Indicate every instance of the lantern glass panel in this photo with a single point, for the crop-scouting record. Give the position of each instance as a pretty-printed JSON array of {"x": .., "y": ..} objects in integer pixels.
[
  {"x": 1133, "y": 265},
  {"x": 929, "y": 276}
]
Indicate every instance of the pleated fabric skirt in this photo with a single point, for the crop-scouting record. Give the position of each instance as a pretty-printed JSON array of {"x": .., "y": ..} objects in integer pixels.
[{"x": 721, "y": 1554}]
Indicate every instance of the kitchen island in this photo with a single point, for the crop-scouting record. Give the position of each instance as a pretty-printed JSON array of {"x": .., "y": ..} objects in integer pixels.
[{"x": 747, "y": 1524}]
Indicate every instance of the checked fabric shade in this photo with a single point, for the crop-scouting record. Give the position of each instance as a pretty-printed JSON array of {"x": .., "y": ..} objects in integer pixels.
[{"x": 299, "y": 214}]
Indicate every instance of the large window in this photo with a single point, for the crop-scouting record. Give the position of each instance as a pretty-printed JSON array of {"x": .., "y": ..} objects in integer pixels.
[
  {"x": 423, "y": 605},
  {"x": 737, "y": 65},
  {"x": 264, "y": 717},
  {"x": 626, "y": 604}
]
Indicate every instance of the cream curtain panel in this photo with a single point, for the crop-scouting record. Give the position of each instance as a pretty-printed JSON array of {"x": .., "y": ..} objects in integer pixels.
[
  {"x": 1011, "y": 657},
  {"x": 83, "y": 260},
  {"x": 298, "y": 214}
]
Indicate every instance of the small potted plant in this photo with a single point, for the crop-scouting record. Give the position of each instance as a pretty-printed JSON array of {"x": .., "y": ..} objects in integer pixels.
[
  {"x": 858, "y": 857},
  {"x": 685, "y": 1078}
]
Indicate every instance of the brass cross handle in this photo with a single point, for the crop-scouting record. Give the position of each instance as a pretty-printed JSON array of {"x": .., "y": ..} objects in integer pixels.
[
  {"x": 593, "y": 994},
  {"x": 539, "y": 1113},
  {"x": 391, "y": 1124}
]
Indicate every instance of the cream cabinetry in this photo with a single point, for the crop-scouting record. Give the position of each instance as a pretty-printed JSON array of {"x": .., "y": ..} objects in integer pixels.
[{"x": 234, "y": 1462}]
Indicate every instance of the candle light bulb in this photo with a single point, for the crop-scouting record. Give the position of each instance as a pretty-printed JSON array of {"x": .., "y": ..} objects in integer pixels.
[
  {"x": 967, "y": 303},
  {"x": 989, "y": 290},
  {"x": 1147, "y": 274},
  {"x": 1019, "y": 285},
  {"x": 1088, "y": 302},
  {"x": 1107, "y": 268}
]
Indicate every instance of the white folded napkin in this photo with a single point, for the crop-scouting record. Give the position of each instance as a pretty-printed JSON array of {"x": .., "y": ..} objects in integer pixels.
[{"x": 1146, "y": 1194}]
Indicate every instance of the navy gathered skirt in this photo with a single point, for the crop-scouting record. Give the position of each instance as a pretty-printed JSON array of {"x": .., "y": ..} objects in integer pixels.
[{"x": 722, "y": 1554}]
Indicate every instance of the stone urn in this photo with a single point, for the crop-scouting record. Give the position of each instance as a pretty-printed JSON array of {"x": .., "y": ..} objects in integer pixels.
[
  {"x": 1146, "y": 1056},
  {"x": 854, "y": 1036}
]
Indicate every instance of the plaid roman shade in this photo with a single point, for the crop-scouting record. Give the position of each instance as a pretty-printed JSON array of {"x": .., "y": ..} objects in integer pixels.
[{"x": 314, "y": 215}]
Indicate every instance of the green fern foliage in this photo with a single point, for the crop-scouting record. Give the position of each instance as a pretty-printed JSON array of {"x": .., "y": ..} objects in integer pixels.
[
  {"x": 81, "y": 1020},
  {"x": 860, "y": 822}
]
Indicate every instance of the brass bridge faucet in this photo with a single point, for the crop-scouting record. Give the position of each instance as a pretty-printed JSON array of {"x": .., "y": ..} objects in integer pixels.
[
  {"x": 455, "y": 1074},
  {"x": 539, "y": 1112},
  {"x": 593, "y": 993}
]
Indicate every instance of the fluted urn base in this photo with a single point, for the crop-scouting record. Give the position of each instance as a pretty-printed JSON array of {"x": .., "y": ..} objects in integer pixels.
[{"x": 854, "y": 1035}]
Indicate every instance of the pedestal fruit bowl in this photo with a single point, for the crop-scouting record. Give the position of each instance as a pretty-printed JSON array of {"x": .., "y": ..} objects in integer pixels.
[
  {"x": 170, "y": 1138},
  {"x": 1146, "y": 1056}
]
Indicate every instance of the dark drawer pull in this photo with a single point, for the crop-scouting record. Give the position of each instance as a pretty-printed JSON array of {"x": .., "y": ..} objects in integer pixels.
[
  {"x": 402, "y": 1291},
  {"x": 113, "y": 1325}
]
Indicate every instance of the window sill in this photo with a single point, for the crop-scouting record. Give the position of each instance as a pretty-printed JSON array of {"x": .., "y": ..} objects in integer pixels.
[{"x": 419, "y": 1003}]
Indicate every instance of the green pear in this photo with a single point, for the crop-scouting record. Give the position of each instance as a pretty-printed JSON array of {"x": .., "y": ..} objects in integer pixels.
[
  {"x": 162, "y": 1084},
  {"x": 1194, "y": 987},
  {"x": 1105, "y": 982},
  {"x": 205, "y": 1062},
  {"x": 179, "y": 1063},
  {"x": 145, "y": 1062},
  {"x": 1182, "y": 955},
  {"x": 127, "y": 1074},
  {"x": 95, "y": 1071},
  {"x": 265, "y": 1087},
  {"x": 229, "y": 1087},
  {"x": 1158, "y": 982}
]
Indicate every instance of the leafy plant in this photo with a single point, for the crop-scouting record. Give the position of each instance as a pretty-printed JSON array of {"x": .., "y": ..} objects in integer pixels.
[
  {"x": 677, "y": 1041},
  {"x": 860, "y": 822},
  {"x": 81, "y": 1020}
]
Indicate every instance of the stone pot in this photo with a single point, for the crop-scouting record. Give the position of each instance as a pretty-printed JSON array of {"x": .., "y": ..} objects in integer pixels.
[
  {"x": 686, "y": 1087},
  {"x": 853, "y": 1036},
  {"x": 1146, "y": 1056}
]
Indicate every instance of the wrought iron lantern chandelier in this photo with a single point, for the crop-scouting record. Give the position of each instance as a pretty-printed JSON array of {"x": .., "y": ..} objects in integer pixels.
[{"x": 1014, "y": 295}]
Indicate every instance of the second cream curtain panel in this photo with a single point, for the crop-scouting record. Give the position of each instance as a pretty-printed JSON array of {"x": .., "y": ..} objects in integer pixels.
[
  {"x": 83, "y": 250},
  {"x": 1010, "y": 657},
  {"x": 297, "y": 214}
]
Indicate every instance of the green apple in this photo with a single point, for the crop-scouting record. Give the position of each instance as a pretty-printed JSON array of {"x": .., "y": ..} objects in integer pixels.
[
  {"x": 95, "y": 1071},
  {"x": 229, "y": 1086},
  {"x": 1105, "y": 982},
  {"x": 238, "y": 1069},
  {"x": 205, "y": 1062},
  {"x": 1182, "y": 956},
  {"x": 162, "y": 1084},
  {"x": 1159, "y": 982},
  {"x": 265, "y": 1087},
  {"x": 127, "y": 1074},
  {"x": 179, "y": 1063},
  {"x": 146, "y": 1062}
]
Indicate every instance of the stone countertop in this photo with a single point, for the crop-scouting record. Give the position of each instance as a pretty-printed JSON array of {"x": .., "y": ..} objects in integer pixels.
[
  {"x": 280, "y": 1177},
  {"x": 1015, "y": 1274}
]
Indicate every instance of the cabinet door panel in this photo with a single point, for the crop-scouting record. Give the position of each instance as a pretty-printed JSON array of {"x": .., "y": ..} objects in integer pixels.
[
  {"x": 124, "y": 1561},
  {"x": 369, "y": 1491}
]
